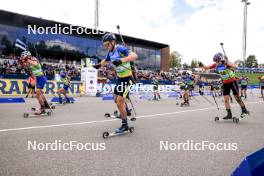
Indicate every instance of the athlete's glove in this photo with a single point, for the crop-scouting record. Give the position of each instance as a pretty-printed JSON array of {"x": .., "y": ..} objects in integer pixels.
[
  {"x": 200, "y": 64},
  {"x": 97, "y": 66},
  {"x": 117, "y": 62},
  {"x": 224, "y": 61}
]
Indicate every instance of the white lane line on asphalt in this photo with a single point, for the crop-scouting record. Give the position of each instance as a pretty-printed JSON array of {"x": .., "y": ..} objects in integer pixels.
[{"x": 102, "y": 121}]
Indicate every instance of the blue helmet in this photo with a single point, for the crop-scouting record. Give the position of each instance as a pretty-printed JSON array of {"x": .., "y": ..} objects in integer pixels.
[
  {"x": 108, "y": 37},
  {"x": 218, "y": 57}
]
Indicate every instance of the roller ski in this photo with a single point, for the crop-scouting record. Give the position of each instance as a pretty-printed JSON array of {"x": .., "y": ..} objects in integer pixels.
[
  {"x": 47, "y": 106},
  {"x": 155, "y": 98},
  {"x": 235, "y": 119},
  {"x": 117, "y": 115},
  {"x": 62, "y": 102},
  {"x": 124, "y": 129},
  {"x": 38, "y": 113},
  {"x": 186, "y": 103}
]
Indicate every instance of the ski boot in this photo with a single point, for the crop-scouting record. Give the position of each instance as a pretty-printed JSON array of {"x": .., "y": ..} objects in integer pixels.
[
  {"x": 68, "y": 100},
  {"x": 60, "y": 100},
  {"x": 123, "y": 128},
  {"x": 244, "y": 113},
  {"x": 229, "y": 115}
]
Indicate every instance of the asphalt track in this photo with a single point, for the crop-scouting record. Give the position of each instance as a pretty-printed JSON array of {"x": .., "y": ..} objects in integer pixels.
[{"x": 136, "y": 154}]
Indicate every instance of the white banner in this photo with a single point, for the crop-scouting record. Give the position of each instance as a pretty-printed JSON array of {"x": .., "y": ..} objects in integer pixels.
[{"x": 89, "y": 77}]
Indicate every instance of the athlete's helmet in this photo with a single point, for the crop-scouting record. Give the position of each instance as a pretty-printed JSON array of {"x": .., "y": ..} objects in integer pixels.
[
  {"x": 218, "y": 57},
  {"x": 25, "y": 54},
  {"x": 109, "y": 37}
]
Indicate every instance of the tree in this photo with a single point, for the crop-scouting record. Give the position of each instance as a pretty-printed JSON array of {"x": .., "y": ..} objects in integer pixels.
[
  {"x": 194, "y": 63},
  {"x": 239, "y": 62},
  {"x": 175, "y": 59},
  {"x": 185, "y": 66},
  {"x": 251, "y": 61}
]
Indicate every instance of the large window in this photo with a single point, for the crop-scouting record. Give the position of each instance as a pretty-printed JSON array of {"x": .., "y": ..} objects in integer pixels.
[
  {"x": 148, "y": 58},
  {"x": 52, "y": 47}
]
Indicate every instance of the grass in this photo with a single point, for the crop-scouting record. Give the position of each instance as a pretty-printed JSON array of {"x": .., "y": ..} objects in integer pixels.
[{"x": 253, "y": 77}]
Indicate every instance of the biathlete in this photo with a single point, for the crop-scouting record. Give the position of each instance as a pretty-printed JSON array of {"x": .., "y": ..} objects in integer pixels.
[
  {"x": 188, "y": 85},
  {"x": 225, "y": 69},
  {"x": 200, "y": 83},
  {"x": 34, "y": 65},
  {"x": 66, "y": 80},
  {"x": 215, "y": 88},
  {"x": 179, "y": 85},
  {"x": 261, "y": 84},
  {"x": 156, "y": 93},
  {"x": 121, "y": 57},
  {"x": 244, "y": 83}
]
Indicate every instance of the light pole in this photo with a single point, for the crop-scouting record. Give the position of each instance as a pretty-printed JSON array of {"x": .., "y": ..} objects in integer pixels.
[
  {"x": 244, "y": 46},
  {"x": 96, "y": 14}
]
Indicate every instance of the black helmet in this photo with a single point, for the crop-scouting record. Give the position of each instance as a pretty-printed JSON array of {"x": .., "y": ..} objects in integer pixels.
[{"x": 108, "y": 37}]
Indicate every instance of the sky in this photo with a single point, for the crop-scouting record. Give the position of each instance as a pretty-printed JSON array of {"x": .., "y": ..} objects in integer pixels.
[{"x": 193, "y": 28}]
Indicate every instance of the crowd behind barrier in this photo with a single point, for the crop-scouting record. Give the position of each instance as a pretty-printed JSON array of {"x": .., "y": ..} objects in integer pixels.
[{"x": 10, "y": 69}]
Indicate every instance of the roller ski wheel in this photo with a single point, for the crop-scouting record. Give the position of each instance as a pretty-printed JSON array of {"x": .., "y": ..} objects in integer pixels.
[
  {"x": 131, "y": 129},
  {"x": 105, "y": 135},
  {"x": 34, "y": 109},
  {"x": 116, "y": 116},
  {"x": 49, "y": 113},
  {"x": 26, "y": 115},
  {"x": 116, "y": 113},
  {"x": 108, "y": 134},
  {"x": 235, "y": 120},
  {"x": 216, "y": 119},
  {"x": 177, "y": 103},
  {"x": 107, "y": 115},
  {"x": 52, "y": 107},
  {"x": 133, "y": 119}
]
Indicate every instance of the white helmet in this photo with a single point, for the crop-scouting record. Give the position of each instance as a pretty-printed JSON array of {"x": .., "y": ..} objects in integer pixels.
[{"x": 25, "y": 54}]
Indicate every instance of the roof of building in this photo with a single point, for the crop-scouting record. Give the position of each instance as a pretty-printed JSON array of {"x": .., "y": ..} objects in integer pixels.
[{"x": 19, "y": 20}]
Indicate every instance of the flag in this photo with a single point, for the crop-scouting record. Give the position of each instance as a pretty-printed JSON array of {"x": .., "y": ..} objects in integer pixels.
[{"x": 20, "y": 44}]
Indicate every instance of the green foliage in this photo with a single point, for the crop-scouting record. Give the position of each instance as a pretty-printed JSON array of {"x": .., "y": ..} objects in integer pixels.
[
  {"x": 251, "y": 61},
  {"x": 175, "y": 59},
  {"x": 253, "y": 77}
]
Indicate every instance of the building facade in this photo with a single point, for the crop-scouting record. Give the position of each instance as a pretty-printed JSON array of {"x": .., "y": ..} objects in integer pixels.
[{"x": 37, "y": 34}]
